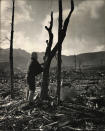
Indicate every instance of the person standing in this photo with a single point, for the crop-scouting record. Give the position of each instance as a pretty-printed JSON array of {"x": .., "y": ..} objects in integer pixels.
[{"x": 34, "y": 69}]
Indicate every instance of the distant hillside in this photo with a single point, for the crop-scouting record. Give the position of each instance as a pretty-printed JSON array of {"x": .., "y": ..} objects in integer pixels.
[
  {"x": 86, "y": 59},
  {"x": 22, "y": 58}
]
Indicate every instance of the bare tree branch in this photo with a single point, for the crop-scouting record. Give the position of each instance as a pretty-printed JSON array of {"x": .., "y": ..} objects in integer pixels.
[
  {"x": 68, "y": 17},
  {"x": 60, "y": 18},
  {"x": 49, "y": 43},
  {"x": 63, "y": 30}
]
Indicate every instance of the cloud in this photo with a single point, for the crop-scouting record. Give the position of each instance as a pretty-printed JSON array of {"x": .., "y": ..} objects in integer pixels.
[
  {"x": 86, "y": 29},
  {"x": 22, "y": 15},
  {"x": 22, "y": 12},
  {"x": 89, "y": 7},
  {"x": 27, "y": 43},
  {"x": 4, "y": 14},
  {"x": 5, "y": 5},
  {"x": 85, "y": 33},
  {"x": 78, "y": 46},
  {"x": 23, "y": 42},
  {"x": 4, "y": 38}
]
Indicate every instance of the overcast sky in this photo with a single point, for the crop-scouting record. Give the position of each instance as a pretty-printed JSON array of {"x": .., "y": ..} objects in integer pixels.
[{"x": 86, "y": 30}]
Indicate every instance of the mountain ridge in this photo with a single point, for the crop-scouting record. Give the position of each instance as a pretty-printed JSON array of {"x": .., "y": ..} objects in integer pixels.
[{"x": 22, "y": 58}]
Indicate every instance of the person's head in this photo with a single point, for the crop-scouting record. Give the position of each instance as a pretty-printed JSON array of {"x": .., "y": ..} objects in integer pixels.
[{"x": 34, "y": 56}]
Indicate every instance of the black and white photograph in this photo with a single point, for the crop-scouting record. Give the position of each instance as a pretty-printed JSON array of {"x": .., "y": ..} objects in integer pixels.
[{"x": 52, "y": 65}]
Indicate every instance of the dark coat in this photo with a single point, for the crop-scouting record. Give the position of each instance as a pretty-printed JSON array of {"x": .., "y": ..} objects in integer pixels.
[{"x": 34, "y": 69}]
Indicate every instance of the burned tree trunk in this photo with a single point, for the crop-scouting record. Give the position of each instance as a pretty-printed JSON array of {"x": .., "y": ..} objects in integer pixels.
[
  {"x": 45, "y": 81},
  {"x": 75, "y": 62},
  {"x": 11, "y": 52},
  {"x": 59, "y": 50},
  {"x": 49, "y": 54},
  {"x": 47, "y": 61},
  {"x": 61, "y": 35}
]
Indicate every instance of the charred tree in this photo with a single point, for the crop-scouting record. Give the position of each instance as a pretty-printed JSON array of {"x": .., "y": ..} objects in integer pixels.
[
  {"x": 75, "y": 62},
  {"x": 61, "y": 35},
  {"x": 11, "y": 52},
  {"x": 49, "y": 54},
  {"x": 47, "y": 61},
  {"x": 59, "y": 50}
]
